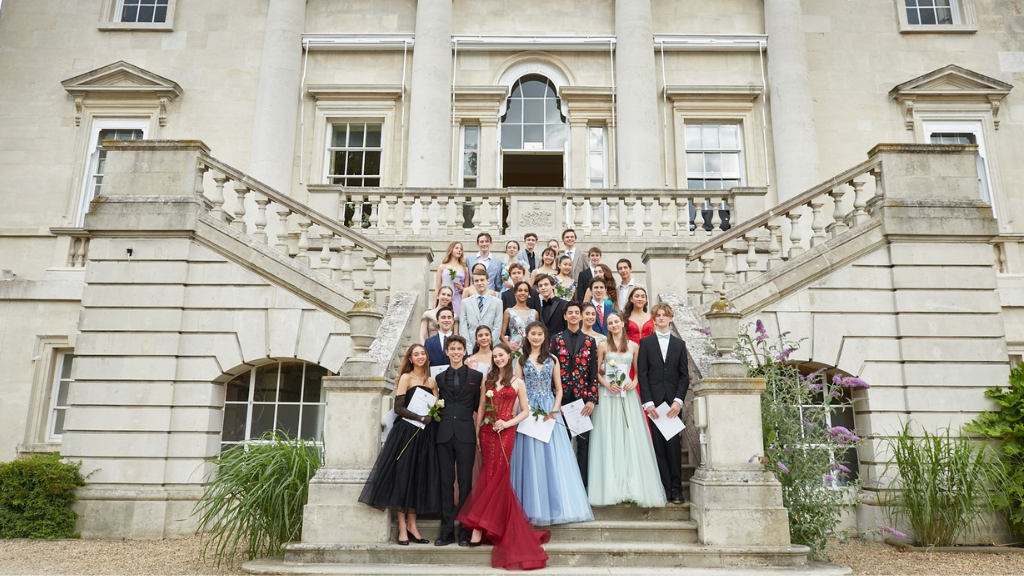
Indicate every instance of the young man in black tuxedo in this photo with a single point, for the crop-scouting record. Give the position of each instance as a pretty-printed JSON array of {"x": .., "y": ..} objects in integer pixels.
[
  {"x": 552, "y": 308},
  {"x": 459, "y": 386},
  {"x": 664, "y": 375}
]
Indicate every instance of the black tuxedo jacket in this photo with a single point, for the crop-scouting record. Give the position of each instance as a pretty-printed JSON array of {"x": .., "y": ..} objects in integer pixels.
[
  {"x": 662, "y": 380},
  {"x": 459, "y": 404},
  {"x": 583, "y": 283},
  {"x": 508, "y": 300},
  {"x": 552, "y": 314}
]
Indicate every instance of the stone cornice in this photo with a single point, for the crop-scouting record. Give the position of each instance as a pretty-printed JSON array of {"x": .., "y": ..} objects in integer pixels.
[
  {"x": 950, "y": 84},
  {"x": 352, "y": 92}
]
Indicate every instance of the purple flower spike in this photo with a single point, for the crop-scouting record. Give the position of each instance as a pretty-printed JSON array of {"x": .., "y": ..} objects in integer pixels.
[
  {"x": 830, "y": 478},
  {"x": 835, "y": 393},
  {"x": 837, "y": 380},
  {"x": 705, "y": 331},
  {"x": 752, "y": 458},
  {"x": 840, "y": 431},
  {"x": 784, "y": 355},
  {"x": 783, "y": 467},
  {"x": 894, "y": 532},
  {"x": 843, "y": 468}
]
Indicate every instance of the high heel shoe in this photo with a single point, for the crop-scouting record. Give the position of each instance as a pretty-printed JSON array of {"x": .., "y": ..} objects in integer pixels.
[
  {"x": 475, "y": 544},
  {"x": 416, "y": 540},
  {"x": 403, "y": 542}
]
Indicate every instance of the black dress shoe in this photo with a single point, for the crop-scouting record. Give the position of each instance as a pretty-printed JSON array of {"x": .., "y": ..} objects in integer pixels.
[
  {"x": 403, "y": 542},
  {"x": 444, "y": 540},
  {"x": 463, "y": 540},
  {"x": 676, "y": 498},
  {"x": 416, "y": 540}
]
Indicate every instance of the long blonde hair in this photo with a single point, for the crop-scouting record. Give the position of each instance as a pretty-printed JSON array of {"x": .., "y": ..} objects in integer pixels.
[{"x": 448, "y": 254}]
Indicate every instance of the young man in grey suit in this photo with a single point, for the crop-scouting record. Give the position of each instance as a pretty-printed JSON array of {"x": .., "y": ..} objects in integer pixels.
[
  {"x": 481, "y": 309},
  {"x": 578, "y": 256}
]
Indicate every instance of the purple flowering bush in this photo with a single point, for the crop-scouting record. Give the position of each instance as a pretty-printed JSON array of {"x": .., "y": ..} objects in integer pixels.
[{"x": 800, "y": 447}]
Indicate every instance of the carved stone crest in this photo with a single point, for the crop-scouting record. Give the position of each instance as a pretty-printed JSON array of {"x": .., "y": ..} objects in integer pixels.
[{"x": 538, "y": 217}]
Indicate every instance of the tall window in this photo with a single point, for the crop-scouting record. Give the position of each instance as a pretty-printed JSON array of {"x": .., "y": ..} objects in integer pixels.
[
  {"x": 355, "y": 151},
  {"x": 143, "y": 11},
  {"x": 596, "y": 159},
  {"x": 470, "y": 155},
  {"x": 105, "y": 129},
  {"x": 839, "y": 413},
  {"x": 59, "y": 397},
  {"x": 714, "y": 156},
  {"x": 932, "y": 12},
  {"x": 533, "y": 120},
  {"x": 284, "y": 396},
  {"x": 964, "y": 133}
]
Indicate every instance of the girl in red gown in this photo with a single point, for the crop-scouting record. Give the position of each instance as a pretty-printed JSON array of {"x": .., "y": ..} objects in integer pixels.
[
  {"x": 492, "y": 509},
  {"x": 639, "y": 324}
]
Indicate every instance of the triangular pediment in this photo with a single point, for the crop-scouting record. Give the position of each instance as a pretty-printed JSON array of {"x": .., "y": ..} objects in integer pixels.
[
  {"x": 952, "y": 81},
  {"x": 121, "y": 79}
]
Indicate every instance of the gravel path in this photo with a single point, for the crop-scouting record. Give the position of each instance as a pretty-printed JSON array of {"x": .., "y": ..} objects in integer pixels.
[{"x": 180, "y": 557}]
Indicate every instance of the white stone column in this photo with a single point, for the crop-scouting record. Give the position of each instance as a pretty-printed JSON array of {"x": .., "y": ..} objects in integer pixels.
[
  {"x": 792, "y": 108},
  {"x": 273, "y": 132},
  {"x": 430, "y": 97},
  {"x": 638, "y": 141}
]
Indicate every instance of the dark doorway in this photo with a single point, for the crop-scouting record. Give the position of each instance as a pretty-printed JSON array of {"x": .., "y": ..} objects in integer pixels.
[{"x": 532, "y": 170}]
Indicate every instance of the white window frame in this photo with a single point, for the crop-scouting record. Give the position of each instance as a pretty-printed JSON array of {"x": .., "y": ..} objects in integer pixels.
[
  {"x": 591, "y": 155},
  {"x": 834, "y": 484},
  {"x": 92, "y": 155},
  {"x": 110, "y": 19},
  {"x": 328, "y": 148},
  {"x": 964, "y": 19},
  {"x": 975, "y": 126},
  {"x": 370, "y": 103},
  {"x": 55, "y": 382},
  {"x": 742, "y": 166},
  {"x": 464, "y": 151}
]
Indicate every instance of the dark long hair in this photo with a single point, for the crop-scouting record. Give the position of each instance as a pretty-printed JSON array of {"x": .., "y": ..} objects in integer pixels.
[
  {"x": 407, "y": 365},
  {"x": 504, "y": 375},
  {"x": 627, "y": 310},
  {"x": 476, "y": 341},
  {"x": 545, "y": 346}
]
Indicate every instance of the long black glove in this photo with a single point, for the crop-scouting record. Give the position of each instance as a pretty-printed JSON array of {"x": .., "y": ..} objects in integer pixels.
[{"x": 404, "y": 412}]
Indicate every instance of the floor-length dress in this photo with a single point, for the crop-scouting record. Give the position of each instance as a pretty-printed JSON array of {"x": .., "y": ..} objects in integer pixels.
[
  {"x": 623, "y": 467},
  {"x": 517, "y": 324},
  {"x": 406, "y": 475},
  {"x": 446, "y": 280},
  {"x": 545, "y": 476},
  {"x": 492, "y": 506},
  {"x": 635, "y": 333}
]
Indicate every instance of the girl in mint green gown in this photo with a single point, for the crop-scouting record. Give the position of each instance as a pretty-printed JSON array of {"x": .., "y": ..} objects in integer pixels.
[{"x": 622, "y": 463}]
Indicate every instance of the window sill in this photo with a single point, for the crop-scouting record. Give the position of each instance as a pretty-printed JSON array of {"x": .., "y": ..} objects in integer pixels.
[
  {"x": 135, "y": 27},
  {"x": 38, "y": 448},
  {"x": 938, "y": 28}
]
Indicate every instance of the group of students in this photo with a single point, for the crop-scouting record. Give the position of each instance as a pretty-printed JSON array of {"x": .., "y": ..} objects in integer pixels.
[{"x": 622, "y": 366}]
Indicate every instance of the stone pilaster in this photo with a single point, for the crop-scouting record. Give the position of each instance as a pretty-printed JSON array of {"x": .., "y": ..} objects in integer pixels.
[
  {"x": 792, "y": 107},
  {"x": 639, "y": 134},
  {"x": 276, "y": 114},
  {"x": 430, "y": 97},
  {"x": 665, "y": 270}
]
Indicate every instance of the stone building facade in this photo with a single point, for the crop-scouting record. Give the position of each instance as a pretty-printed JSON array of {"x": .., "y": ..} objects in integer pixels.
[{"x": 164, "y": 298}]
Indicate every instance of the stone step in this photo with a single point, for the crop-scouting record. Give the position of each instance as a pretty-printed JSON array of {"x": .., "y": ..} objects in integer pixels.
[
  {"x": 561, "y": 554},
  {"x": 630, "y": 512},
  {"x": 608, "y": 531}
]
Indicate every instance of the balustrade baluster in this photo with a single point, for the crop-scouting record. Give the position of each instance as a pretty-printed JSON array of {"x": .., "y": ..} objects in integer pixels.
[
  {"x": 838, "y": 225},
  {"x": 795, "y": 236},
  {"x": 879, "y": 194},
  {"x": 860, "y": 202},
  {"x": 485, "y": 214},
  {"x": 706, "y": 280},
  {"x": 325, "y": 250},
  {"x": 428, "y": 218},
  {"x": 666, "y": 217},
  {"x": 444, "y": 226},
  {"x": 357, "y": 212},
  {"x": 475, "y": 220},
  {"x": 239, "y": 222},
  {"x": 371, "y": 259},
  {"x": 774, "y": 245},
  {"x": 817, "y": 221},
  {"x": 613, "y": 216},
  {"x": 201, "y": 170},
  {"x": 729, "y": 272},
  {"x": 389, "y": 213},
  {"x": 459, "y": 224},
  {"x": 648, "y": 206},
  {"x": 218, "y": 198},
  {"x": 261, "y": 218},
  {"x": 374, "y": 212},
  {"x": 577, "y": 214},
  {"x": 698, "y": 219},
  {"x": 80, "y": 245},
  {"x": 281, "y": 243},
  {"x": 751, "y": 240},
  {"x": 595, "y": 215},
  {"x": 407, "y": 214},
  {"x": 716, "y": 219},
  {"x": 682, "y": 216},
  {"x": 303, "y": 255},
  {"x": 630, "y": 216},
  {"x": 346, "y": 265}
]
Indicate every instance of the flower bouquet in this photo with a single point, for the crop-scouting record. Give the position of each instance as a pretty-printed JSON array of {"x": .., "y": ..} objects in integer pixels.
[{"x": 435, "y": 414}]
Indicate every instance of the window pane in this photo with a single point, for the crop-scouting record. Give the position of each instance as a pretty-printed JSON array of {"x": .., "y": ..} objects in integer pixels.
[
  {"x": 373, "y": 137},
  {"x": 355, "y": 135},
  {"x": 65, "y": 369},
  {"x": 927, "y": 16},
  {"x": 730, "y": 163},
  {"x": 596, "y": 139},
  {"x": 695, "y": 163},
  {"x": 534, "y": 89},
  {"x": 556, "y": 136},
  {"x": 596, "y": 168},
  {"x": 469, "y": 166},
  {"x": 472, "y": 137},
  {"x": 266, "y": 383},
  {"x": 338, "y": 139},
  {"x": 514, "y": 114},
  {"x": 912, "y": 17},
  {"x": 533, "y": 133},
  {"x": 728, "y": 133},
  {"x": 695, "y": 184},
  {"x": 130, "y": 14},
  {"x": 313, "y": 390},
  {"x": 693, "y": 137},
  {"x": 551, "y": 113},
  {"x": 713, "y": 163},
  {"x": 262, "y": 420},
  {"x": 161, "y": 14},
  {"x": 288, "y": 419},
  {"x": 709, "y": 135},
  {"x": 62, "y": 393},
  {"x": 313, "y": 422},
  {"x": 238, "y": 389},
  {"x": 533, "y": 111},
  {"x": 145, "y": 14},
  {"x": 234, "y": 422},
  {"x": 58, "y": 421},
  {"x": 354, "y": 164},
  {"x": 372, "y": 163},
  {"x": 372, "y": 182},
  {"x": 512, "y": 137},
  {"x": 291, "y": 383}
]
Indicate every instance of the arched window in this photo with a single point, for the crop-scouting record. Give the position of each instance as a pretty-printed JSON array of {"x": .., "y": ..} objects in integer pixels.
[
  {"x": 284, "y": 396},
  {"x": 533, "y": 119},
  {"x": 840, "y": 413}
]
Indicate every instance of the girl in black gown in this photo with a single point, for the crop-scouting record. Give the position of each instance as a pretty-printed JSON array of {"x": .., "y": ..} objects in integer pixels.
[{"x": 406, "y": 477}]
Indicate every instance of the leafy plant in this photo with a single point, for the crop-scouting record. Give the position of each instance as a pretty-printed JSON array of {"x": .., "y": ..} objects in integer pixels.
[
  {"x": 800, "y": 447},
  {"x": 255, "y": 496},
  {"x": 939, "y": 484},
  {"x": 35, "y": 497},
  {"x": 1007, "y": 426}
]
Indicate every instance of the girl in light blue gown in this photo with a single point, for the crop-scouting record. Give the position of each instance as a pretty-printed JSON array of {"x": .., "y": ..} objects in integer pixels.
[
  {"x": 545, "y": 476},
  {"x": 623, "y": 467}
]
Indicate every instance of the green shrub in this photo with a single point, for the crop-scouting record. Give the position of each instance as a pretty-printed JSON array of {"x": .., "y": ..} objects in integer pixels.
[
  {"x": 939, "y": 484},
  {"x": 1007, "y": 426},
  {"x": 35, "y": 497},
  {"x": 255, "y": 496},
  {"x": 800, "y": 447}
]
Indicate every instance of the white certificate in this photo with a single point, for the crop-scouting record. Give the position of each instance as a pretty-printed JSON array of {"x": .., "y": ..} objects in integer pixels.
[
  {"x": 420, "y": 404},
  {"x": 575, "y": 421},
  {"x": 668, "y": 427},
  {"x": 537, "y": 428},
  {"x": 435, "y": 370}
]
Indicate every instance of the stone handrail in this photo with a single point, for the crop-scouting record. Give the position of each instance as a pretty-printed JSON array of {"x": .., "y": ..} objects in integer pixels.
[
  {"x": 609, "y": 212},
  {"x": 320, "y": 243},
  {"x": 832, "y": 209}
]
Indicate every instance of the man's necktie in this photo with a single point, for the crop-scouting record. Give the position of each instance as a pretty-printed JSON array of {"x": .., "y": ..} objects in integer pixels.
[
  {"x": 455, "y": 380},
  {"x": 480, "y": 304},
  {"x": 600, "y": 314}
]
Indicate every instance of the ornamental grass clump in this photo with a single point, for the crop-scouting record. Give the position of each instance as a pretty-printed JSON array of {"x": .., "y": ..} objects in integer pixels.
[
  {"x": 36, "y": 493},
  {"x": 255, "y": 496},
  {"x": 800, "y": 446},
  {"x": 939, "y": 485}
]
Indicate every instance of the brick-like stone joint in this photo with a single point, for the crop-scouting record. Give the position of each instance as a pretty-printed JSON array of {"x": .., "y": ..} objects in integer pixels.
[{"x": 735, "y": 501}]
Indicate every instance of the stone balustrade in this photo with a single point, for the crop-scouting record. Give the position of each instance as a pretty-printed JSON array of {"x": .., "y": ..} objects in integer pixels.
[
  {"x": 434, "y": 212},
  {"x": 337, "y": 252},
  {"x": 765, "y": 242},
  {"x": 77, "y": 240}
]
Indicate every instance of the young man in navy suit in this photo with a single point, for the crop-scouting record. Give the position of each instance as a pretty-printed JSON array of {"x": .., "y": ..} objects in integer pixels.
[
  {"x": 598, "y": 288},
  {"x": 435, "y": 344},
  {"x": 663, "y": 371}
]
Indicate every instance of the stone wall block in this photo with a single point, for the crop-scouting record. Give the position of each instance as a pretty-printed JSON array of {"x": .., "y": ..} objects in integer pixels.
[
  {"x": 152, "y": 168},
  {"x": 128, "y": 344},
  {"x": 105, "y": 369},
  {"x": 315, "y": 328},
  {"x": 143, "y": 249},
  {"x": 227, "y": 297},
  {"x": 116, "y": 419},
  {"x": 947, "y": 301},
  {"x": 198, "y": 369},
  {"x": 131, "y": 320},
  {"x": 223, "y": 347},
  {"x": 220, "y": 273},
  {"x": 284, "y": 332},
  {"x": 135, "y": 272},
  {"x": 133, "y": 296},
  {"x": 137, "y": 393}
]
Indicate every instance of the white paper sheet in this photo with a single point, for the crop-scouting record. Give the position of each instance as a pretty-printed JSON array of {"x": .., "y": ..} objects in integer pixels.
[
  {"x": 435, "y": 370},
  {"x": 668, "y": 427},
  {"x": 537, "y": 428},
  {"x": 420, "y": 404},
  {"x": 576, "y": 422}
]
